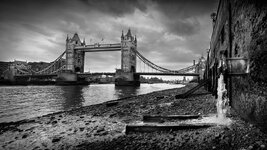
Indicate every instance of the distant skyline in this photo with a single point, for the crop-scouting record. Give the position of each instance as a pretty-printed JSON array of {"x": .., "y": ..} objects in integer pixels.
[{"x": 170, "y": 33}]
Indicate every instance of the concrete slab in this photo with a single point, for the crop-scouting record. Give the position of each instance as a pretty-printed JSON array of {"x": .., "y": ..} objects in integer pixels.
[
  {"x": 160, "y": 118},
  {"x": 152, "y": 128},
  {"x": 112, "y": 103}
]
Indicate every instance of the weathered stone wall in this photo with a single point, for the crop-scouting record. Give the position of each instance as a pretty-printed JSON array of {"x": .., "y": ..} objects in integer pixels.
[
  {"x": 219, "y": 44},
  {"x": 249, "y": 40},
  {"x": 219, "y": 39},
  {"x": 240, "y": 31}
]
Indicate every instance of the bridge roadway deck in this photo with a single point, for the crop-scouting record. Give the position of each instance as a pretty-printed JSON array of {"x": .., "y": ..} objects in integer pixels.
[
  {"x": 37, "y": 75},
  {"x": 99, "y": 48},
  {"x": 166, "y": 74},
  {"x": 144, "y": 73},
  {"x": 113, "y": 74},
  {"x": 97, "y": 73}
]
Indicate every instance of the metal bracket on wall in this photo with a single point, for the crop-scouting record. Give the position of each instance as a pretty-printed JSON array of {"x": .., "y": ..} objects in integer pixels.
[{"x": 237, "y": 66}]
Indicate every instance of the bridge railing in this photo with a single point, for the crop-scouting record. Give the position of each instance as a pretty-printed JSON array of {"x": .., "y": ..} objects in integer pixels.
[
  {"x": 59, "y": 69},
  {"x": 21, "y": 72},
  {"x": 97, "y": 45}
]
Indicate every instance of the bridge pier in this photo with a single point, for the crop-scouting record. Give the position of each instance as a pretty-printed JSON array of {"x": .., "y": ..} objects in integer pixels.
[
  {"x": 67, "y": 76},
  {"x": 70, "y": 78},
  {"x": 126, "y": 78},
  {"x": 9, "y": 75}
]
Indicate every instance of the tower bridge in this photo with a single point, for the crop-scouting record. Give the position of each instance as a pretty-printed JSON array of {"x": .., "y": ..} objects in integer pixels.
[{"x": 69, "y": 66}]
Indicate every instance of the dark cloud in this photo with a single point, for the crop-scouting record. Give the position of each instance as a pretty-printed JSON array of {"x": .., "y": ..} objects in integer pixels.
[
  {"x": 186, "y": 8},
  {"x": 182, "y": 26},
  {"x": 169, "y": 32},
  {"x": 37, "y": 29},
  {"x": 180, "y": 16},
  {"x": 116, "y": 7}
]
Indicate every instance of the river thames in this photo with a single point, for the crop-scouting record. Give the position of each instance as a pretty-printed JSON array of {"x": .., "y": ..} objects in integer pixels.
[{"x": 24, "y": 102}]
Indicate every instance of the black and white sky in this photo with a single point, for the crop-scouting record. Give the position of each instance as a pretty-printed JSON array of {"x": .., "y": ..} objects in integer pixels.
[{"x": 170, "y": 33}]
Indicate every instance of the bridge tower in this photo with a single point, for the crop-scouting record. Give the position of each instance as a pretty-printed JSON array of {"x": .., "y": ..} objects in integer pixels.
[
  {"x": 125, "y": 75},
  {"x": 74, "y": 59},
  {"x": 128, "y": 54}
]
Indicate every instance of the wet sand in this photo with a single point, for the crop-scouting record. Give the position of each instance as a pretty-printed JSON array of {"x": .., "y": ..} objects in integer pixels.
[{"x": 102, "y": 126}]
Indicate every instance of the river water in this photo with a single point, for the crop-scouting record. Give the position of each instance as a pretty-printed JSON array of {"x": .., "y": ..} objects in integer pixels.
[{"x": 24, "y": 102}]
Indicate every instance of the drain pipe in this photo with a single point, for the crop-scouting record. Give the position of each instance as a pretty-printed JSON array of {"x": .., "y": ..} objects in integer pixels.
[{"x": 230, "y": 90}]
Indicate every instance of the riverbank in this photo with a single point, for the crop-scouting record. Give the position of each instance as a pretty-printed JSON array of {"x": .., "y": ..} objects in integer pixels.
[
  {"x": 37, "y": 82},
  {"x": 102, "y": 126}
]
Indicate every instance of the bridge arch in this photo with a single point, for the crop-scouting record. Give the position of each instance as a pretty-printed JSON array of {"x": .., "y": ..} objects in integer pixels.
[
  {"x": 133, "y": 69},
  {"x": 77, "y": 69}
]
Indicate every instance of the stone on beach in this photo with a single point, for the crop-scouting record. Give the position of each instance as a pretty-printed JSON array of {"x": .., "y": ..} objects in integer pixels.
[{"x": 102, "y": 127}]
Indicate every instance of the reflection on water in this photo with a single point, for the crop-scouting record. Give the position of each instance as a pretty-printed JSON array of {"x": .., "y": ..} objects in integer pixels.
[
  {"x": 72, "y": 96},
  {"x": 22, "y": 102},
  {"x": 127, "y": 91}
]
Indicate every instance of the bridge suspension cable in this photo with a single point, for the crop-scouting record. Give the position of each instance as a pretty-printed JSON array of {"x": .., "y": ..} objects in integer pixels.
[
  {"x": 161, "y": 69},
  {"x": 54, "y": 67}
]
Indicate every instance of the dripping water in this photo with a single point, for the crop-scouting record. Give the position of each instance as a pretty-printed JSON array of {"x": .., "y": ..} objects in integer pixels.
[
  {"x": 222, "y": 100},
  {"x": 222, "y": 104}
]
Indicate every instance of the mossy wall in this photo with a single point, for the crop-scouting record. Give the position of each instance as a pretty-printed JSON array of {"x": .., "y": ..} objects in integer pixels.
[{"x": 249, "y": 40}]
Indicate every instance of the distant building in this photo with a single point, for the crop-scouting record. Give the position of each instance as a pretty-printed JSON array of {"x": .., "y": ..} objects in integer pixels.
[
  {"x": 8, "y": 69},
  {"x": 20, "y": 65},
  {"x": 3, "y": 67},
  {"x": 37, "y": 66},
  {"x": 15, "y": 68}
]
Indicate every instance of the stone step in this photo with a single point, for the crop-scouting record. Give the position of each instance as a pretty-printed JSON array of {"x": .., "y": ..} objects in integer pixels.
[
  {"x": 112, "y": 103},
  {"x": 143, "y": 128},
  {"x": 160, "y": 118}
]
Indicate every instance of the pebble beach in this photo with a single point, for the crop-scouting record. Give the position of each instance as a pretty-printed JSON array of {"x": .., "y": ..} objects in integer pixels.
[{"x": 102, "y": 126}]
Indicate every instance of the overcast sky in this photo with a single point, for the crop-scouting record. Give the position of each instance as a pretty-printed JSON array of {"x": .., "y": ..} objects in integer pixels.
[{"x": 170, "y": 33}]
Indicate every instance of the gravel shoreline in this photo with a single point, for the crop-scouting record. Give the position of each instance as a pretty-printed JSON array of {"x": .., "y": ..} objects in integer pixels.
[{"x": 102, "y": 126}]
